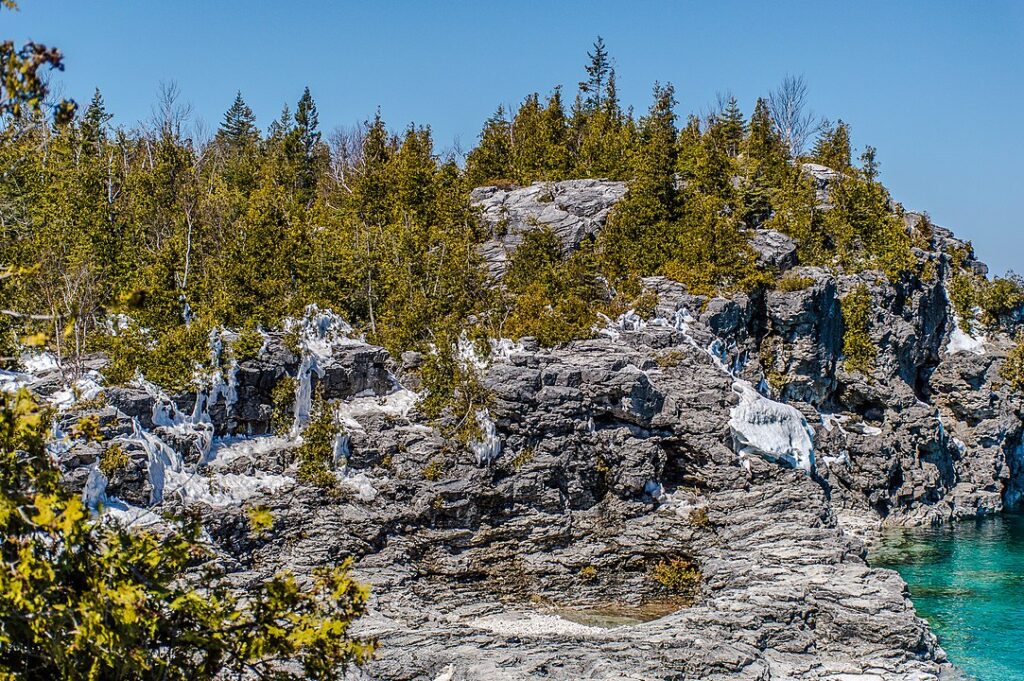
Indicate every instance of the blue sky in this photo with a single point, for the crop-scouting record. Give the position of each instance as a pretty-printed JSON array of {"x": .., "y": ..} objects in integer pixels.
[{"x": 937, "y": 86}]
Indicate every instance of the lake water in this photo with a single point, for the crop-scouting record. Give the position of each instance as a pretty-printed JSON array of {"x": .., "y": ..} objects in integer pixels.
[{"x": 968, "y": 582}]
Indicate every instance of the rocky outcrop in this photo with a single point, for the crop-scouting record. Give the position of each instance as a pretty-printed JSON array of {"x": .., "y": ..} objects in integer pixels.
[
  {"x": 575, "y": 210},
  {"x": 722, "y": 434}
]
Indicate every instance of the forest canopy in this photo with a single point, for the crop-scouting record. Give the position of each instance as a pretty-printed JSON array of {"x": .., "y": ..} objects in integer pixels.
[{"x": 164, "y": 235}]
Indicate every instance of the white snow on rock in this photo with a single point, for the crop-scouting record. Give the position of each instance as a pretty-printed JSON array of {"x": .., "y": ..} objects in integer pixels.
[
  {"x": 395, "y": 404},
  {"x": 39, "y": 363},
  {"x": 488, "y": 447},
  {"x": 771, "y": 430},
  {"x": 85, "y": 388},
  {"x": 961, "y": 341},
  {"x": 222, "y": 489},
  {"x": 535, "y": 625}
]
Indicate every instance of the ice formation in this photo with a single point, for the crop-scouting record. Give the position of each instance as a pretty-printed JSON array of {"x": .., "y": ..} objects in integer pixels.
[
  {"x": 961, "y": 341},
  {"x": 769, "y": 429},
  {"x": 488, "y": 447}
]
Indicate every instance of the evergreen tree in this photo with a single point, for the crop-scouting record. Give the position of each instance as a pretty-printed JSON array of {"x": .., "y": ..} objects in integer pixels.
[
  {"x": 491, "y": 160},
  {"x": 94, "y": 123},
  {"x": 733, "y": 127},
  {"x": 598, "y": 71},
  {"x": 637, "y": 239},
  {"x": 307, "y": 122},
  {"x": 832, "y": 148},
  {"x": 238, "y": 130}
]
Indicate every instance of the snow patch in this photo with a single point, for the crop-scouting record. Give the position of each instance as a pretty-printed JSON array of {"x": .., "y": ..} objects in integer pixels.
[
  {"x": 534, "y": 625},
  {"x": 771, "y": 430},
  {"x": 488, "y": 447},
  {"x": 961, "y": 341}
]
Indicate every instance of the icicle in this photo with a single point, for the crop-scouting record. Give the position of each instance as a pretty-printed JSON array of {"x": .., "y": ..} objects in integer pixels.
[{"x": 488, "y": 447}]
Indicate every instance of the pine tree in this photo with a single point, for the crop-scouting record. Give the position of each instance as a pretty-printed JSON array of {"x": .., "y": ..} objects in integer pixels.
[
  {"x": 598, "y": 72},
  {"x": 733, "y": 127},
  {"x": 239, "y": 127},
  {"x": 637, "y": 240},
  {"x": 491, "y": 160},
  {"x": 94, "y": 122},
  {"x": 307, "y": 123},
  {"x": 832, "y": 148}
]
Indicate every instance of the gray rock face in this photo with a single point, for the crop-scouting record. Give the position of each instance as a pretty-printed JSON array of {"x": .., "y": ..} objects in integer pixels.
[
  {"x": 774, "y": 249},
  {"x": 574, "y": 210},
  {"x": 617, "y": 455}
]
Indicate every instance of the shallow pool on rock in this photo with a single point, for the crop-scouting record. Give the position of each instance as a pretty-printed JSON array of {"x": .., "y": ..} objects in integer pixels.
[{"x": 968, "y": 582}]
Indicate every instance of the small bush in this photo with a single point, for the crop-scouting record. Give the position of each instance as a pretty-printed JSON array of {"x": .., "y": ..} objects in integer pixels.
[
  {"x": 678, "y": 575},
  {"x": 434, "y": 470},
  {"x": 669, "y": 358},
  {"x": 168, "y": 359},
  {"x": 858, "y": 351},
  {"x": 699, "y": 518},
  {"x": 999, "y": 297},
  {"x": 316, "y": 454},
  {"x": 524, "y": 457},
  {"x": 248, "y": 344},
  {"x": 282, "y": 399},
  {"x": 1012, "y": 370},
  {"x": 794, "y": 283},
  {"x": 113, "y": 460},
  {"x": 962, "y": 296},
  {"x": 87, "y": 428},
  {"x": 588, "y": 573},
  {"x": 261, "y": 520}
]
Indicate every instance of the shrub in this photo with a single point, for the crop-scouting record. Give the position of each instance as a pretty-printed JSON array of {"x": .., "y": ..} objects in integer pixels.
[
  {"x": 999, "y": 297},
  {"x": 678, "y": 575},
  {"x": 524, "y": 457},
  {"x": 1012, "y": 370},
  {"x": 669, "y": 358},
  {"x": 282, "y": 399},
  {"x": 858, "y": 351},
  {"x": 434, "y": 470},
  {"x": 794, "y": 282},
  {"x": 248, "y": 344},
  {"x": 261, "y": 520},
  {"x": 962, "y": 297},
  {"x": 699, "y": 518},
  {"x": 168, "y": 359},
  {"x": 114, "y": 459},
  {"x": 316, "y": 453},
  {"x": 588, "y": 573},
  {"x": 95, "y": 600}
]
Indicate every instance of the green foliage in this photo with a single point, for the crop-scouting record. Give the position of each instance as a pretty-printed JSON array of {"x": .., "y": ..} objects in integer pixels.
[
  {"x": 699, "y": 518},
  {"x": 24, "y": 85},
  {"x": 525, "y": 456},
  {"x": 248, "y": 344},
  {"x": 833, "y": 147},
  {"x": 81, "y": 599},
  {"x": 678, "y": 575},
  {"x": 169, "y": 361},
  {"x": 434, "y": 470},
  {"x": 551, "y": 298},
  {"x": 282, "y": 399},
  {"x": 793, "y": 282},
  {"x": 1012, "y": 370},
  {"x": 999, "y": 298},
  {"x": 454, "y": 392},
  {"x": 113, "y": 460},
  {"x": 858, "y": 350},
  {"x": 316, "y": 453},
  {"x": 963, "y": 297},
  {"x": 261, "y": 520}
]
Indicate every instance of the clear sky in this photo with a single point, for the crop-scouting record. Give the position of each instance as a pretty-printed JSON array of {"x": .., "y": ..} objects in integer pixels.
[{"x": 937, "y": 86}]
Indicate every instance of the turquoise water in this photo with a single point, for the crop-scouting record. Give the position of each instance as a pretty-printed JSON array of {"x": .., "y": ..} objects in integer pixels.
[{"x": 968, "y": 582}]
